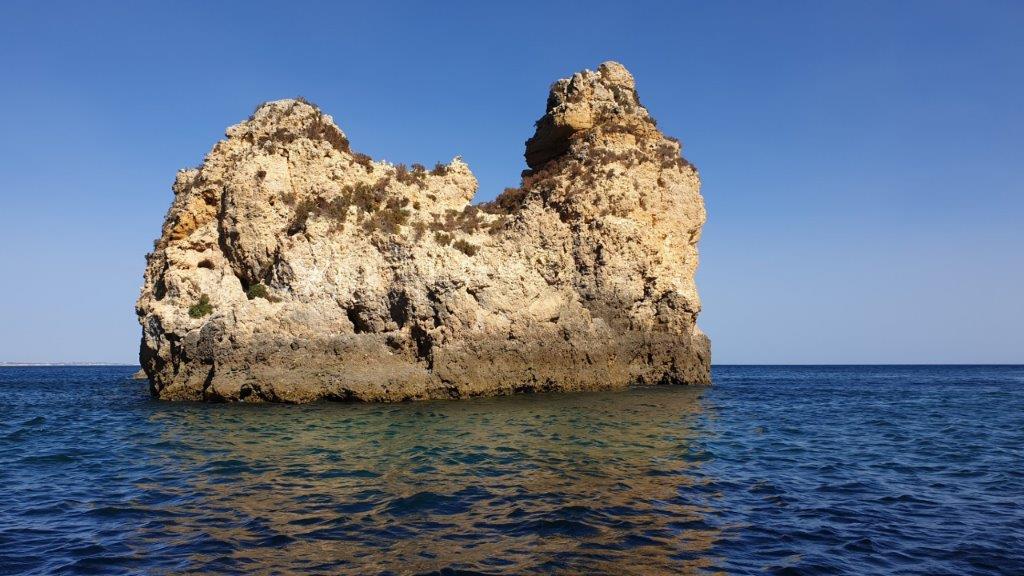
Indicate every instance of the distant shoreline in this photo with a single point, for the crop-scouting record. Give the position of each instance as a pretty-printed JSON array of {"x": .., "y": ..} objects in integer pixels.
[
  {"x": 69, "y": 364},
  {"x": 879, "y": 364}
]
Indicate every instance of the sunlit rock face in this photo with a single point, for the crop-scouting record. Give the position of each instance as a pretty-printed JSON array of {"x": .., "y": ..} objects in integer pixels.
[{"x": 291, "y": 268}]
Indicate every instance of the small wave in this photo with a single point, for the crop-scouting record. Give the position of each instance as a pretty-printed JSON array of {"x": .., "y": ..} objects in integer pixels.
[{"x": 785, "y": 470}]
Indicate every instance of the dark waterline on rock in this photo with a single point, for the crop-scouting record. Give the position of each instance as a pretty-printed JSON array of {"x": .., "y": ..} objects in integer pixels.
[{"x": 789, "y": 470}]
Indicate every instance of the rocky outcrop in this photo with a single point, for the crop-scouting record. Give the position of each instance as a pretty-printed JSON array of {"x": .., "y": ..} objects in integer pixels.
[{"x": 291, "y": 268}]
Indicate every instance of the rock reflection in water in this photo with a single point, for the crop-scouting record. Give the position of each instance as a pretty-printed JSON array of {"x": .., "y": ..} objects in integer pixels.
[
  {"x": 591, "y": 482},
  {"x": 866, "y": 470}
]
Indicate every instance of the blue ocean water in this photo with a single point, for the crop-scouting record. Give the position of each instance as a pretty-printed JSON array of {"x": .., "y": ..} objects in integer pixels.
[{"x": 774, "y": 470}]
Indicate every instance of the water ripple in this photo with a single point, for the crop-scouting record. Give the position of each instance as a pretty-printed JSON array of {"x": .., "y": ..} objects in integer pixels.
[{"x": 809, "y": 470}]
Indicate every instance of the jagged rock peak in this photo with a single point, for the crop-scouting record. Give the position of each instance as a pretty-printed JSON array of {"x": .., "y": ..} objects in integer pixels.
[
  {"x": 292, "y": 268},
  {"x": 582, "y": 102},
  {"x": 284, "y": 121}
]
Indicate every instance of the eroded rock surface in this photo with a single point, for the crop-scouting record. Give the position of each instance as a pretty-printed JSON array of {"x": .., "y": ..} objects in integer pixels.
[{"x": 291, "y": 268}]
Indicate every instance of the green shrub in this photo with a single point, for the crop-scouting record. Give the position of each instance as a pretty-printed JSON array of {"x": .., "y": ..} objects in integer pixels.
[
  {"x": 420, "y": 228},
  {"x": 374, "y": 209},
  {"x": 363, "y": 160},
  {"x": 368, "y": 198},
  {"x": 330, "y": 133},
  {"x": 306, "y": 102},
  {"x": 442, "y": 238},
  {"x": 303, "y": 211},
  {"x": 468, "y": 221},
  {"x": 417, "y": 176},
  {"x": 257, "y": 291},
  {"x": 670, "y": 156},
  {"x": 257, "y": 109},
  {"x": 497, "y": 224},
  {"x": 510, "y": 200},
  {"x": 465, "y": 247},
  {"x": 319, "y": 129},
  {"x": 439, "y": 170},
  {"x": 390, "y": 219},
  {"x": 201, "y": 308},
  {"x": 337, "y": 208}
]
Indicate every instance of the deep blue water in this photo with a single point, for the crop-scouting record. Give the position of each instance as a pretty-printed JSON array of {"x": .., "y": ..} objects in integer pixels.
[{"x": 774, "y": 470}]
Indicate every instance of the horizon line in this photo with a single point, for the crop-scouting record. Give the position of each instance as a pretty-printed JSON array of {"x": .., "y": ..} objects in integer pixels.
[{"x": 780, "y": 364}]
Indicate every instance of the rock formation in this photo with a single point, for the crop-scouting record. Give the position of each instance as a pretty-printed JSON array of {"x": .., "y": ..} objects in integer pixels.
[{"x": 291, "y": 268}]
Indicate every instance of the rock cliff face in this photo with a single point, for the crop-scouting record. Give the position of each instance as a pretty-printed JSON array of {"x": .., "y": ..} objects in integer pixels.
[{"x": 291, "y": 268}]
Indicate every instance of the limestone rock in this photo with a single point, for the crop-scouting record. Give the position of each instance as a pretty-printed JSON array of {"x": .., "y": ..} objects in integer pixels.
[{"x": 291, "y": 268}]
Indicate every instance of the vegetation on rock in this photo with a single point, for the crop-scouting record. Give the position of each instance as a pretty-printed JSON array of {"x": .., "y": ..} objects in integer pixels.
[
  {"x": 201, "y": 308},
  {"x": 392, "y": 285},
  {"x": 465, "y": 247},
  {"x": 258, "y": 290}
]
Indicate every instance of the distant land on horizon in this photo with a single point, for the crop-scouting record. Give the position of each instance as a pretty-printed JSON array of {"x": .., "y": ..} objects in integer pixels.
[
  {"x": 713, "y": 364},
  {"x": 17, "y": 364}
]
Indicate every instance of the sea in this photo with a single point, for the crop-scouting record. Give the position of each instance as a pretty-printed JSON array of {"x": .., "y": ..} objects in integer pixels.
[{"x": 887, "y": 470}]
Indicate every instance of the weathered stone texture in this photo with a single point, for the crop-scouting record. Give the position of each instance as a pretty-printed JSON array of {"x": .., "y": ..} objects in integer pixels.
[{"x": 332, "y": 276}]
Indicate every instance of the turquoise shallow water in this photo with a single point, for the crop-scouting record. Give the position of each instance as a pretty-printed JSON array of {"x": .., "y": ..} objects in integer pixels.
[{"x": 774, "y": 470}]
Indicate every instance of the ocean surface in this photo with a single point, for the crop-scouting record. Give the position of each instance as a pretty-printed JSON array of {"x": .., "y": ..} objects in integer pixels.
[{"x": 774, "y": 470}]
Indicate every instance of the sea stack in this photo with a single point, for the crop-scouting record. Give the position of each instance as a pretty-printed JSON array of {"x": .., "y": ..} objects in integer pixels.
[{"x": 291, "y": 268}]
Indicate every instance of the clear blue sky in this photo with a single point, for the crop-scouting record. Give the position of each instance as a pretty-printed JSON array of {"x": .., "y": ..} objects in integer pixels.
[{"x": 863, "y": 162}]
